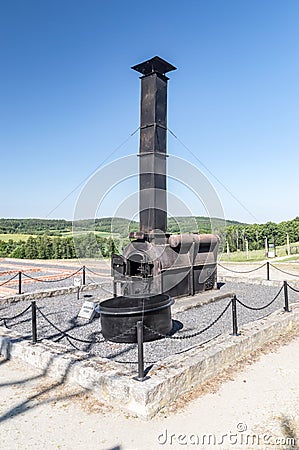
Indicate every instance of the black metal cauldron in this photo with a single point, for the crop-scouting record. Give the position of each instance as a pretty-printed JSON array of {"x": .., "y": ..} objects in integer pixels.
[{"x": 121, "y": 314}]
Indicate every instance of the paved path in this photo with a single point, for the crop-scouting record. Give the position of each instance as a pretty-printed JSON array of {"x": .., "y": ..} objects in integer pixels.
[{"x": 262, "y": 398}]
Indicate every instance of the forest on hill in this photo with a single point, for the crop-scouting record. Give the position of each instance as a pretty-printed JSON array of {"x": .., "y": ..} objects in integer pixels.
[
  {"x": 53, "y": 238},
  {"x": 114, "y": 225},
  {"x": 99, "y": 238}
]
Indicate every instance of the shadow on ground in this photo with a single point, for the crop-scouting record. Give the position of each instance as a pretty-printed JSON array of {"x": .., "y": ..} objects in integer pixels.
[
  {"x": 38, "y": 398},
  {"x": 288, "y": 428}
]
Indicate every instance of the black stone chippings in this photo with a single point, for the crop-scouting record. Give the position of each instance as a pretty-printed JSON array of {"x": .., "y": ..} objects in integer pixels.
[{"x": 63, "y": 310}]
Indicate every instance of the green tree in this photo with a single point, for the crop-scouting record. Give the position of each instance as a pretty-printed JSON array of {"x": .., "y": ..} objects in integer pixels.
[
  {"x": 18, "y": 252},
  {"x": 31, "y": 250}
]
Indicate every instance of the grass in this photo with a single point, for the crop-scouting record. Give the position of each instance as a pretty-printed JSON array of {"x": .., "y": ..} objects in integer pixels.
[
  {"x": 258, "y": 255},
  {"x": 24, "y": 237},
  {"x": 253, "y": 255},
  {"x": 105, "y": 234},
  {"x": 15, "y": 237}
]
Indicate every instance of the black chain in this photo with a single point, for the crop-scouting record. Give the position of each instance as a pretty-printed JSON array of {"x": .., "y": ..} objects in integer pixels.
[
  {"x": 84, "y": 341},
  {"x": 92, "y": 271},
  {"x": 237, "y": 271},
  {"x": 52, "y": 281},
  {"x": 262, "y": 307},
  {"x": 129, "y": 330},
  {"x": 63, "y": 332},
  {"x": 292, "y": 288},
  {"x": 7, "y": 281},
  {"x": 16, "y": 316},
  {"x": 189, "y": 336},
  {"x": 283, "y": 271},
  {"x": 103, "y": 288}
]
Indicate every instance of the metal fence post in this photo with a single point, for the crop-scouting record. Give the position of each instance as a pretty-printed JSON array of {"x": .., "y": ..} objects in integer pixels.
[
  {"x": 33, "y": 322},
  {"x": 268, "y": 271},
  {"x": 286, "y": 296},
  {"x": 83, "y": 275},
  {"x": 141, "y": 376},
  {"x": 20, "y": 283},
  {"x": 234, "y": 316}
]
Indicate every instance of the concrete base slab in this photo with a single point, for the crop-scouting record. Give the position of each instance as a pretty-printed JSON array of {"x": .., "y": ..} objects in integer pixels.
[
  {"x": 113, "y": 382},
  {"x": 203, "y": 298},
  {"x": 258, "y": 281}
]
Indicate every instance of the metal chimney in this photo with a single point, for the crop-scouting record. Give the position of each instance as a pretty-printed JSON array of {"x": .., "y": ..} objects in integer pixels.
[{"x": 152, "y": 147}]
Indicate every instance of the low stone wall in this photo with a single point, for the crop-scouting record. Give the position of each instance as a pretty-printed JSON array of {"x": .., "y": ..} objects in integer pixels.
[
  {"x": 47, "y": 293},
  {"x": 113, "y": 383}
]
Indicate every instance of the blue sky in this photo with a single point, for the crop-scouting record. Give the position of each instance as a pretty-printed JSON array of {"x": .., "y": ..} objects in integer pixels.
[{"x": 69, "y": 98}]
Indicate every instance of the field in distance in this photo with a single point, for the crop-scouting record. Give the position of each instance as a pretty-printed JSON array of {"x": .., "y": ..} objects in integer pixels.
[{"x": 15, "y": 236}]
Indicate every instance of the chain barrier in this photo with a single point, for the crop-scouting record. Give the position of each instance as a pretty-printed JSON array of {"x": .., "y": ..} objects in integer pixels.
[
  {"x": 196, "y": 345},
  {"x": 51, "y": 281},
  {"x": 101, "y": 286},
  {"x": 92, "y": 271},
  {"x": 246, "y": 271},
  {"x": 16, "y": 316},
  {"x": 283, "y": 271},
  {"x": 189, "y": 336},
  {"x": 97, "y": 274},
  {"x": 71, "y": 338},
  {"x": 12, "y": 278},
  {"x": 40, "y": 280},
  {"x": 292, "y": 288},
  {"x": 262, "y": 307},
  {"x": 84, "y": 341},
  {"x": 124, "y": 333},
  {"x": 258, "y": 268}
]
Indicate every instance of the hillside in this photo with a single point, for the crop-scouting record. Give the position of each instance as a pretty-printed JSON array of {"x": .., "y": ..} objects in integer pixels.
[
  {"x": 48, "y": 239},
  {"x": 119, "y": 226}
]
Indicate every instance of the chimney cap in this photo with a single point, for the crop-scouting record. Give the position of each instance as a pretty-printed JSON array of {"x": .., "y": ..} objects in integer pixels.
[{"x": 154, "y": 65}]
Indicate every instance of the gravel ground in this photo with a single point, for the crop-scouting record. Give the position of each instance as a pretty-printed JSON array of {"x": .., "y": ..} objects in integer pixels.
[{"x": 63, "y": 311}]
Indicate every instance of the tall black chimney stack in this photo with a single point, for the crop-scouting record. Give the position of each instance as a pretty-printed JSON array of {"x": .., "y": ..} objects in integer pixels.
[{"x": 152, "y": 148}]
